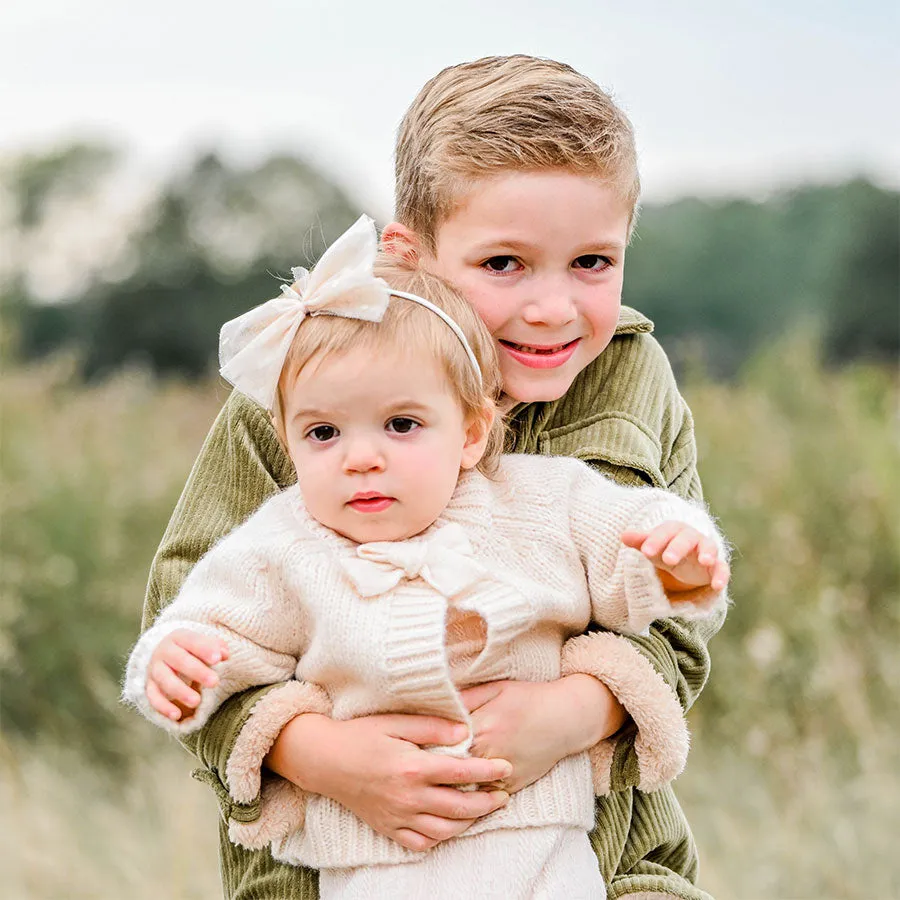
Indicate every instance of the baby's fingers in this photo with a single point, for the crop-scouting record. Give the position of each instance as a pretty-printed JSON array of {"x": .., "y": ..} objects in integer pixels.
[
  {"x": 171, "y": 686},
  {"x": 721, "y": 575},
  {"x": 634, "y": 539},
  {"x": 682, "y": 544},
  {"x": 211, "y": 650},
  {"x": 707, "y": 552},
  {"x": 656, "y": 540},
  {"x": 163, "y": 706},
  {"x": 188, "y": 666}
]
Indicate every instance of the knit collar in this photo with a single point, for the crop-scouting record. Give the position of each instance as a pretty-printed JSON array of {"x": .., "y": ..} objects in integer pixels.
[{"x": 469, "y": 507}]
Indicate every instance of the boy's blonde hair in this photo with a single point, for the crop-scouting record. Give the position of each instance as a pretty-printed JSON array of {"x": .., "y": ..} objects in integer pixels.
[
  {"x": 502, "y": 114},
  {"x": 407, "y": 325}
]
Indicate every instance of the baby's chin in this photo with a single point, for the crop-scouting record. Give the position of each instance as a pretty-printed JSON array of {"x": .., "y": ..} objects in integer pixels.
[{"x": 372, "y": 532}]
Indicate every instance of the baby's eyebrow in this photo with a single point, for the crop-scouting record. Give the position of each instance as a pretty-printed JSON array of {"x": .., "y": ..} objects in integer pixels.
[
  {"x": 413, "y": 406},
  {"x": 312, "y": 414}
]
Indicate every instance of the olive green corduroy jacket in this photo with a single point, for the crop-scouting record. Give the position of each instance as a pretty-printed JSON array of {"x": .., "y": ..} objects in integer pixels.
[{"x": 624, "y": 415}]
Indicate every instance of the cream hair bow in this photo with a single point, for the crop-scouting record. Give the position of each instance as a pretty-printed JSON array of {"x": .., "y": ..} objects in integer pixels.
[
  {"x": 253, "y": 347},
  {"x": 444, "y": 561}
]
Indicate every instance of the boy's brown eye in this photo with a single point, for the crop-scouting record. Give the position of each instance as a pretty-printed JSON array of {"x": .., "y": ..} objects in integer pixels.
[
  {"x": 502, "y": 263},
  {"x": 593, "y": 261}
]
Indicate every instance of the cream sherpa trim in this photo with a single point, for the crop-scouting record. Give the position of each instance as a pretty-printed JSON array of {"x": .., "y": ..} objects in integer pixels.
[
  {"x": 662, "y": 740},
  {"x": 601, "y": 756},
  {"x": 282, "y": 812},
  {"x": 267, "y": 719}
]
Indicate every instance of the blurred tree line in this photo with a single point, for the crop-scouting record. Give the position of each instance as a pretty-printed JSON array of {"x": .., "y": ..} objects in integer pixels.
[
  {"x": 720, "y": 278},
  {"x": 149, "y": 291},
  {"x": 799, "y": 460},
  {"x": 728, "y": 277},
  {"x": 210, "y": 242}
]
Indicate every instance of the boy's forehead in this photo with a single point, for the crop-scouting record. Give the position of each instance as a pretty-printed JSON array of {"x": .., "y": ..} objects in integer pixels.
[{"x": 520, "y": 209}]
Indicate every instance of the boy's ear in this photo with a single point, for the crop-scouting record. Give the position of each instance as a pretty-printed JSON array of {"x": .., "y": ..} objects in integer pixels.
[
  {"x": 478, "y": 431},
  {"x": 399, "y": 240}
]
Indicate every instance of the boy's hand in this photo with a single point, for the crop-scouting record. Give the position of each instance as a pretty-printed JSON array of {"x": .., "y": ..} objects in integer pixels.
[
  {"x": 179, "y": 667},
  {"x": 536, "y": 724},
  {"x": 684, "y": 558},
  {"x": 375, "y": 767}
]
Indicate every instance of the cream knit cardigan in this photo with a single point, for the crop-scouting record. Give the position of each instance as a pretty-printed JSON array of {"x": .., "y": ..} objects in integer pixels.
[{"x": 353, "y": 630}]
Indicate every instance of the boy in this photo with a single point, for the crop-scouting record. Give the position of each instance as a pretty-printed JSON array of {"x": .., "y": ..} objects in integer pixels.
[{"x": 517, "y": 181}]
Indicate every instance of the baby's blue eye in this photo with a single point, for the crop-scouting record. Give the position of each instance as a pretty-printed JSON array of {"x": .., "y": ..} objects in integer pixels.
[
  {"x": 322, "y": 433},
  {"x": 502, "y": 264},
  {"x": 402, "y": 425},
  {"x": 594, "y": 262}
]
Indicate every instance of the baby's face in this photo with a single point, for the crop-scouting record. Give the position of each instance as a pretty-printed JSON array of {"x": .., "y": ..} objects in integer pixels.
[
  {"x": 378, "y": 441},
  {"x": 541, "y": 256}
]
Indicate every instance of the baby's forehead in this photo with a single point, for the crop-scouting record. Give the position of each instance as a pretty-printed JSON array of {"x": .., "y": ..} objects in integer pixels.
[{"x": 381, "y": 375}]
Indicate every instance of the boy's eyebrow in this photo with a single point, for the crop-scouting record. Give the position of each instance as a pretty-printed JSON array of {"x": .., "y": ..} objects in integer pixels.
[{"x": 590, "y": 246}]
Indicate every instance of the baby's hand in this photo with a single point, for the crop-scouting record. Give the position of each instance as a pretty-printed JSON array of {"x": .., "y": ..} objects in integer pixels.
[
  {"x": 685, "y": 559},
  {"x": 179, "y": 666}
]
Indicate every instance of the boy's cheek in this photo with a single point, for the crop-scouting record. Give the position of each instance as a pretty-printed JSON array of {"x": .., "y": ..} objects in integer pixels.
[{"x": 489, "y": 304}]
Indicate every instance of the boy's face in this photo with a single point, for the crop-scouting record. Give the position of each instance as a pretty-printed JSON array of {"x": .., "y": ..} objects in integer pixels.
[{"x": 540, "y": 255}]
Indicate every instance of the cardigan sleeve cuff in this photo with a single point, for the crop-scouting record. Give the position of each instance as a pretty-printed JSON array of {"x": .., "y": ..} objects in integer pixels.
[
  {"x": 661, "y": 739},
  {"x": 646, "y": 598},
  {"x": 282, "y": 805},
  {"x": 648, "y": 601},
  {"x": 134, "y": 689}
]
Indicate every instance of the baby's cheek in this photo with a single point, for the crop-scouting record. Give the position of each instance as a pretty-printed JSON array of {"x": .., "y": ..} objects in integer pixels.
[
  {"x": 317, "y": 493},
  {"x": 430, "y": 477}
]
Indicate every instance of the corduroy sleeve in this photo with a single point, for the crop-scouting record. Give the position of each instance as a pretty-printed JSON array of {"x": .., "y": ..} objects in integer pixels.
[
  {"x": 241, "y": 464},
  {"x": 627, "y": 598},
  {"x": 675, "y": 649}
]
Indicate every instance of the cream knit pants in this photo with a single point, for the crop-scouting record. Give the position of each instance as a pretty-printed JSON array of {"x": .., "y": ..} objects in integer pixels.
[{"x": 550, "y": 863}]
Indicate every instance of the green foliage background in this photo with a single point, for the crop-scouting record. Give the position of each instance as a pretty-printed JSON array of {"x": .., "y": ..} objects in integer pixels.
[{"x": 793, "y": 787}]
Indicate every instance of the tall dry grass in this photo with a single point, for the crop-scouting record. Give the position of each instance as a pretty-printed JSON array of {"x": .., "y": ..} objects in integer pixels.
[{"x": 794, "y": 781}]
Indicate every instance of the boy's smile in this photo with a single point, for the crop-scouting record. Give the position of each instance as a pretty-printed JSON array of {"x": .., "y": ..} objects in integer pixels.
[
  {"x": 540, "y": 357},
  {"x": 540, "y": 255}
]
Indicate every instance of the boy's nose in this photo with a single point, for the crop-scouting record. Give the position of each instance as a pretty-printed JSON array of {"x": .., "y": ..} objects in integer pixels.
[{"x": 553, "y": 308}]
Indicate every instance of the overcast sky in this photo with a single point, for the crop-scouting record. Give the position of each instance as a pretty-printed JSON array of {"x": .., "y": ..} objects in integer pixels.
[{"x": 725, "y": 96}]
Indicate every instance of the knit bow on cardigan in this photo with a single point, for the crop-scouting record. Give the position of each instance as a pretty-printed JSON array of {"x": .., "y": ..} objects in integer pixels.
[{"x": 444, "y": 560}]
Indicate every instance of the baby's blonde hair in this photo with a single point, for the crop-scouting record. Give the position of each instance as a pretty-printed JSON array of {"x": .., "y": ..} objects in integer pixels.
[
  {"x": 505, "y": 114},
  {"x": 406, "y": 325}
]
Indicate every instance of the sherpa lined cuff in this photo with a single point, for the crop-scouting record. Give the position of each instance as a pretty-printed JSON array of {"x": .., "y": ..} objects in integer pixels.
[
  {"x": 661, "y": 740},
  {"x": 282, "y": 805},
  {"x": 656, "y": 882},
  {"x": 663, "y": 895}
]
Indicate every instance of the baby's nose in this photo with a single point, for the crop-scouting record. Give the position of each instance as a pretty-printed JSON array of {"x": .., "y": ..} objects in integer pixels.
[{"x": 363, "y": 455}]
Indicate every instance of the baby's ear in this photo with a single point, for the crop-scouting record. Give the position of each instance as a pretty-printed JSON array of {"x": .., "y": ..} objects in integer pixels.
[
  {"x": 478, "y": 431},
  {"x": 399, "y": 240}
]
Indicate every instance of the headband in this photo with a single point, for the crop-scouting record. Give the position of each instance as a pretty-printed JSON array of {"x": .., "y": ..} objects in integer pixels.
[{"x": 254, "y": 346}]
